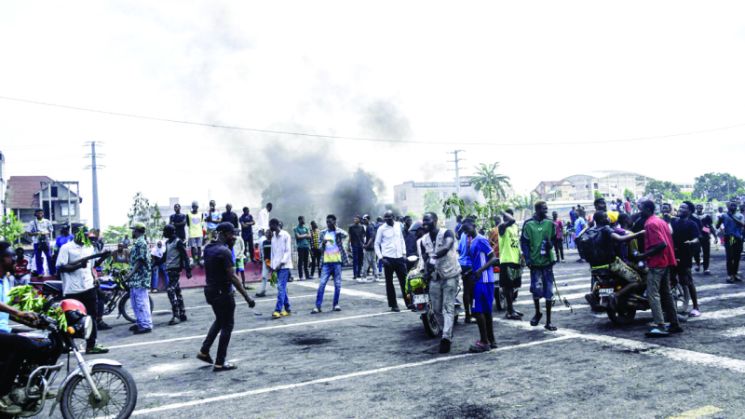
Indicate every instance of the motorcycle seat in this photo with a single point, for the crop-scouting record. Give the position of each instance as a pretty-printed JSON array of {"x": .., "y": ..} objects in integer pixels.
[{"x": 53, "y": 286}]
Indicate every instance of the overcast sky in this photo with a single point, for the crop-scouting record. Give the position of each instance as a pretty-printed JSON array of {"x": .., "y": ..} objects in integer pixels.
[{"x": 516, "y": 73}]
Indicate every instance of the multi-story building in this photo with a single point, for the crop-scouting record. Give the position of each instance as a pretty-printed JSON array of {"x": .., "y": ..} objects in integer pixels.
[
  {"x": 2, "y": 184},
  {"x": 60, "y": 200},
  {"x": 412, "y": 197},
  {"x": 582, "y": 187}
]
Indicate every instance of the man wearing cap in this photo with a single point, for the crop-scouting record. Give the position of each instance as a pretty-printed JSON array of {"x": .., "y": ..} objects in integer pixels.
[
  {"x": 220, "y": 283},
  {"x": 195, "y": 221},
  {"x": 139, "y": 281},
  {"x": 77, "y": 279},
  {"x": 176, "y": 259},
  {"x": 41, "y": 231}
]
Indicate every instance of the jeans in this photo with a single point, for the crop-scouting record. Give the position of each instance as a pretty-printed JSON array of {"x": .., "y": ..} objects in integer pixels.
[
  {"x": 357, "y": 260},
  {"x": 397, "y": 266},
  {"x": 659, "y": 296},
  {"x": 174, "y": 293},
  {"x": 39, "y": 250},
  {"x": 264, "y": 277},
  {"x": 733, "y": 250},
  {"x": 89, "y": 298},
  {"x": 327, "y": 270},
  {"x": 141, "y": 306},
  {"x": 368, "y": 263},
  {"x": 442, "y": 294},
  {"x": 302, "y": 262},
  {"x": 542, "y": 282},
  {"x": 706, "y": 250},
  {"x": 315, "y": 262},
  {"x": 158, "y": 270},
  {"x": 283, "y": 301},
  {"x": 223, "y": 305},
  {"x": 558, "y": 245}
]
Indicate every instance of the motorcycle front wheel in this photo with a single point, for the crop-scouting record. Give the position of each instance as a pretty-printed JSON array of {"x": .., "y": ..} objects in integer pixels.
[
  {"x": 125, "y": 308},
  {"x": 118, "y": 394}
]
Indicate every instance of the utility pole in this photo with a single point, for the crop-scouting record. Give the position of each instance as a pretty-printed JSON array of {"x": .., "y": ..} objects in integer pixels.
[
  {"x": 94, "y": 174},
  {"x": 456, "y": 161}
]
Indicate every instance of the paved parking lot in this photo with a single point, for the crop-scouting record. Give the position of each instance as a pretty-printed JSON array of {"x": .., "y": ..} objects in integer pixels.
[{"x": 368, "y": 362}]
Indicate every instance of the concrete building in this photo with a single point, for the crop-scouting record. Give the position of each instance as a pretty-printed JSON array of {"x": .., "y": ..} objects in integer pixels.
[
  {"x": 582, "y": 187},
  {"x": 2, "y": 184},
  {"x": 412, "y": 197},
  {"x": 60, "y": 200}
]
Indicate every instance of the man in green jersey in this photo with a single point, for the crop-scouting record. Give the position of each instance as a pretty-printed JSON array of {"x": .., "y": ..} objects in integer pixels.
[
  {"x": 510, "y": 272},
  {"x": 537, "y": 242}
]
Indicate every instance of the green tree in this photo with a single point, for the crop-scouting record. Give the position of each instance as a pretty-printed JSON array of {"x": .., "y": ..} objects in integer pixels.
[
  {"x": 664, "y": 189},
  {"x": 143, "y": 211},
  {"x": 491, "y": 184},
  {"x": 433, "y": 203},
  {"x": 717, "y": 186},
  {"x": 11, "y": 228},
  {"x": 454, "y": 206},
  {"x": 115, "y": 234},
  {"x": 522, "y": 204},
  {"x": 627, "y": 193}
]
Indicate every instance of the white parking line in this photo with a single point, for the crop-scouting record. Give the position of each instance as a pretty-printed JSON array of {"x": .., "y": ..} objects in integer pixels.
[
  {"x": 257, "y": 329},
  {"x": 735, "y": 332},
  {"x": 339, "y": 377},
  {"x": 346, "y": 291},
  {"x": 266, "y": 300}
]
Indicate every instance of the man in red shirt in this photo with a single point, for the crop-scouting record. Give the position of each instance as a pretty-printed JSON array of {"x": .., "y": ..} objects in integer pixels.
[{"x": 660, "y": 255}]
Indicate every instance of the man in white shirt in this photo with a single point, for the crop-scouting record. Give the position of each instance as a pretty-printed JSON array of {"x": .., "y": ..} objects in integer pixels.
[
  {"x": 390, "y": 249},
  {"x": 77, "y": 279},
  {"x": 263, "y": 222},
  {"x": 281, "y": 261},
  {"x": 41, "y": 231}
]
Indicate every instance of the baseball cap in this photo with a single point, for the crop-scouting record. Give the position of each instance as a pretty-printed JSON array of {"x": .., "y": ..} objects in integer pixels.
[{"x": 138, "y": 225}]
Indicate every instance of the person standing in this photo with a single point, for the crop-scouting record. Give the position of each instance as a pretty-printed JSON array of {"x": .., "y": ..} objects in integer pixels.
[
  {"x": 510, "y": 271},
  {"x": 685, "y": 236},
  {"x": 390, "y": 249},
  {"x": 559, "y": 241},
  {"x": 218, "y": 291},
  {"x": 239, "y": 256},
  {"x": 707, "y": 228},
  {"x": 138, "y": 281},
  {"x": 213, "y": 218},
  {"x": 77, "y": 279},
  {"x": 537, "y": 245},
  {"x": 179, "y": 221},
  {"x": 369, "y": 263},
  {"x": 263, "y": 221},
  {"x": 441, "y": 259},
  {"x": 315, "y": 249},
  {"x": 265, "y": 256},
  {"x": 482, "y": 260},
  {"x": 41, "y": 231},
  {"x": 733, "y": 223},
  {"x": 660, "y": 256},
  {"x": 158, "y": 267},
  {"x": 229, "y": 216},
  {"x": 63, "y": 238},
  {"x": 281, "y": 261},
  {"x": 195, "y": 221},
  {"x": 176, "y": 260},
  {"x": 331, "y": 243},
  {"x": 356, "y": 242},
  {"x": 302, "y": 238},
  {"x": 247, "y": 222}
]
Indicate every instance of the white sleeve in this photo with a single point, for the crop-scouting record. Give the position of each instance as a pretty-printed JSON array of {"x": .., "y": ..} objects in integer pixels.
[
  {"x": 63, "y": 257},
  {"x": 378, "y": 239}
]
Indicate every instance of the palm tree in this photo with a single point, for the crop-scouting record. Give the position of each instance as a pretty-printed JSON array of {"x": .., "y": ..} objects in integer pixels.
[{"x": 491, "y": 184}]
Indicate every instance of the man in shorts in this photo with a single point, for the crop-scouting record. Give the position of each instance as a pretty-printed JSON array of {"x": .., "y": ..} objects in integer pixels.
[
  {"x": 482, "y": 261},
  {"x": 537, "y": 244},
  {"x": 195, "y": 222}
]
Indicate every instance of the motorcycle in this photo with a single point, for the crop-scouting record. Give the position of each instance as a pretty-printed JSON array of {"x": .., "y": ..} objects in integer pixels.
[
  {"x": 114, "y": 293},
  {"x": 417, "y": 290},
  {"x": 619, "y": 299},
  {"x": 98, "y": 388}
]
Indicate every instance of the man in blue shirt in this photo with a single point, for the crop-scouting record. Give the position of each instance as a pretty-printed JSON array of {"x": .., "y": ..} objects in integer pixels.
[
  {"x": 482, "y": 261},
  {"x": 465, "y": 268},
  {"x": 733, "y": 223}
]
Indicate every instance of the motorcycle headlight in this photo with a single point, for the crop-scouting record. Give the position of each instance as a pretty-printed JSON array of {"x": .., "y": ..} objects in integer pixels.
[{"x": 80, "y": 328}]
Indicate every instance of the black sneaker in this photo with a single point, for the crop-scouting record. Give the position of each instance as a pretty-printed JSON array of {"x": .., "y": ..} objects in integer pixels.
[
  {"x": 395, "y": 309},
  {"x": 183, "y": 317},
  {"x": 674, "y": 329},
  {"x": 102, "y": 325},
  {"x": 536, "y": 319},
  {"x": 513, "y": 316},
  {"x": 493, "y": 345},
  {"x": 174, "y": 321},
  {"x": 260, "y": 294},
  {"x": 139, "y": 331},
  {"x": 133, "y": 328},
  {"x": 444, "y": 346}
]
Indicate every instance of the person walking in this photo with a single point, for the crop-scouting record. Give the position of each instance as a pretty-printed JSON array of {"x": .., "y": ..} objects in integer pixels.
[
  {"x": 247, "y": 222},
  {"x": 537, "y": 246},
  {"x": 138, "y": 281},
  {"x": 390, "y": 249},
  {"x": 707, "y": 228},
  {"x": 41, "y": 231},
  {"x": 302, "y": 238},
  {"x": 176, "y": 260},
  {"x": 281, "y": 263},
  {"x": 77, "y": 279},
  {"x": 331, "y": 243},
  {"x": 315, "y": 249},
  {"x": 195, "y": 222},
  {"x": 733, "y": 223},
  {"x": 356, "y": 242},
  {"x": 685, "y": 240},
  {"x": 218, "y": 291},
  {"x": 265, "y": 255},
  {"x": 559, "y": 241},
  {"x": 369, "y": 262}
]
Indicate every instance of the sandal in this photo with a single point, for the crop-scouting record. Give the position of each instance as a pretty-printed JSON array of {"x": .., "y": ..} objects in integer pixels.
[
  {"x": 224, "y": 367},
  {"x": 205, "y": 358}
]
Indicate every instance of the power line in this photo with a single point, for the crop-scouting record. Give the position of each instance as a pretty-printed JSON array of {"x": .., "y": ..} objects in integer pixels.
[{"x": 368, "y": 139}]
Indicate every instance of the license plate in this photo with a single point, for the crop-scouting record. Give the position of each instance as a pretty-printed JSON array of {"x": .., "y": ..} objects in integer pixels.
[
  {"x": 421, "y": 298},
  {"x": 605, "y": 291}
]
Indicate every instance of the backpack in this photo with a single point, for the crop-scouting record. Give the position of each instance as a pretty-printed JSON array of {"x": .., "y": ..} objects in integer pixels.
[{"x": 592, "y": 249}]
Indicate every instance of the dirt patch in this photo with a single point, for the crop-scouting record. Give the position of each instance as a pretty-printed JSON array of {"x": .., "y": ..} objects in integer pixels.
[{"x": 308, "y": 341}]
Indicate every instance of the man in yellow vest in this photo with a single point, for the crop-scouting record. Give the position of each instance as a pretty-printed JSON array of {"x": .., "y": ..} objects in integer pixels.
[
  {"x": 510, "y": 269},
  {"x": 195, "y": 222}
]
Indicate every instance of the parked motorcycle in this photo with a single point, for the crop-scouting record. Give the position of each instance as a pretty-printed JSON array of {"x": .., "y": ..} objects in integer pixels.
[
  {"x": 98, "y": 388},
  {"x": 114, "y": 291},
  {"x": 417, "y": 290}
]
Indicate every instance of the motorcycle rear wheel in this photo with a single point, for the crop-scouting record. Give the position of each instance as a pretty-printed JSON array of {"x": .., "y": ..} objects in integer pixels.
[
  {"x": 125, "y": 309},
  {"x": 431, "y": 325},
  {"x": 621, "y": 317},
  {"x": 115, "y": 384}
]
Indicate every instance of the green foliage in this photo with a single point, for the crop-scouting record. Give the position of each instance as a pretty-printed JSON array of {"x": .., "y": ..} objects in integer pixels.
[
  {"x": 115, "y": 234},
  {"x": 597, "y": 194},
  {"x": 433, "y": 203},
  {"x": 491, "y": 184},
  {"x": 454, "y": 206},
  {"x": 628, "y": 194},
  {"x": 144, "y": 212},
  {"x": 11, "y": 228},
  {"x": 25, "y": 298},
  {"x": 718, "y": 186},
  {"x": 663, "y": 189}
]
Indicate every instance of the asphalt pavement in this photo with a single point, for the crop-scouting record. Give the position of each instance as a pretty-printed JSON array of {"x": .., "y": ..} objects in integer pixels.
[{"x": 368, "y": 362}]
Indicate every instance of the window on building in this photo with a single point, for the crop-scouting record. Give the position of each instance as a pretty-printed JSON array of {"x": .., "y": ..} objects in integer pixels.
[
  {"x": 67, "y": 210},
  {"x": 55, "y": 191},
  {"x": 594, "y": 185}
]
